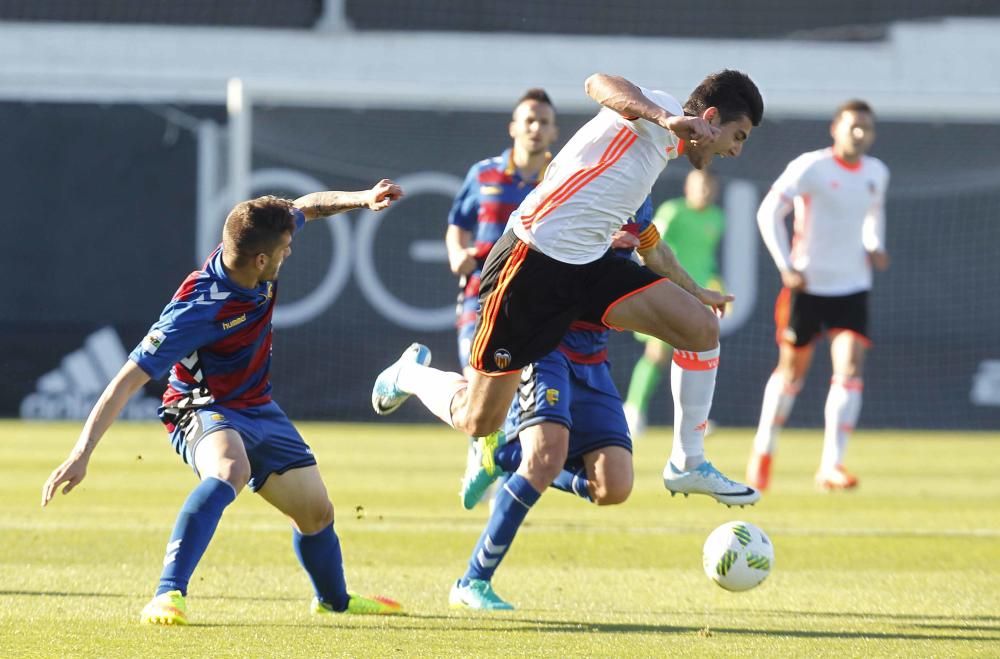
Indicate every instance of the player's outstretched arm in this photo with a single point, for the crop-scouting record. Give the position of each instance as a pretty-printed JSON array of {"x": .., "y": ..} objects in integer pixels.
[
  {"x": 129, "y": 380},
  {"x": 661, "y": 259},
  {"x": 627, "y": 99},
  {"x": 323, "y": 204}
]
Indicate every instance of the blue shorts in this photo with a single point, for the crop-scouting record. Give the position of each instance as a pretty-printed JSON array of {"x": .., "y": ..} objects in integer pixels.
[
  {"x": 272, "y": 443},
  {"x": 582, "y": 397}
]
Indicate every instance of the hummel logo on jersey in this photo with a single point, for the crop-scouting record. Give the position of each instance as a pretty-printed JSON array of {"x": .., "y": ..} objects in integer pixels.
[
  {"x": 70, "y": 391},
  {"x": 230, "y": 324}
]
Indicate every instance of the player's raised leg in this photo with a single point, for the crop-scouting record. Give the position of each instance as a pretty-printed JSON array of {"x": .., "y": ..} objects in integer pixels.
[
  {"x": 301, "y": 495},
  {"x": 666, "y": 311},
  {"x": 843, "y": 407},
  {"x": 222, "y": 463}
]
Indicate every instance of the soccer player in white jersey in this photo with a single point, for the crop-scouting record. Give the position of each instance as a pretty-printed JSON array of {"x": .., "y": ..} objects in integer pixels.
[
  {"x": 554, "y": 267},
  {"x": 838, "y": 198}
]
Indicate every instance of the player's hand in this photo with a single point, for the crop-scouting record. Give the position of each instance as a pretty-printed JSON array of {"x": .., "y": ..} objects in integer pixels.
[
  {"x": 71, "y": 472},
  {"x": 695, "y": 130},
  {"x": 793, "y": 280},
  {"x": 879, "y": 260},
  {"x": 624, "y": 240},
  {"x": 462, "y": 262},
  {"x": 718, "y": 301},
  {"x": 383, "y": 194}
]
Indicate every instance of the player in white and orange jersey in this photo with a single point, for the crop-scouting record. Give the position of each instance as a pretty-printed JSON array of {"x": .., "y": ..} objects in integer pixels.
[
  {"x": 554, "y": 267},
  {"x": 838, "y": 198}
]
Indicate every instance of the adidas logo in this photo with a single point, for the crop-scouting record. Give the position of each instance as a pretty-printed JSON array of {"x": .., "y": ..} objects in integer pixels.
[{"x": 70, "y": 391}]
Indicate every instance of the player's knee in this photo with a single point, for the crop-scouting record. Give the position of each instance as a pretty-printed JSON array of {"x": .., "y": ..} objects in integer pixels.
[
  {"x": 611, "y": 493},
  {"x": 314, "y": 517},
  {"x": 234, "y": 472},
  {"x": 542, "y": 467},
  {"x": 480, "y": 423}
]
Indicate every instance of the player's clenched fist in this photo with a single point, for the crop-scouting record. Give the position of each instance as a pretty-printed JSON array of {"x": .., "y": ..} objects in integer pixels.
[{"x": 383, "y": 194}]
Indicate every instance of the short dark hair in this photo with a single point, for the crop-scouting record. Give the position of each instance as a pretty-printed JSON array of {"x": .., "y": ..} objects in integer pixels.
[
  {"x": 732, "y": 92},
  {"x": 256, "y": 226},
  {"x": 536, "y": 94},
  {"x": 853, "y": 105}
]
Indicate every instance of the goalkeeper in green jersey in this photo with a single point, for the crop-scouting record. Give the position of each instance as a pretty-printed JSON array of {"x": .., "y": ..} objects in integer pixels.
[{"x": 692, "y": 226}]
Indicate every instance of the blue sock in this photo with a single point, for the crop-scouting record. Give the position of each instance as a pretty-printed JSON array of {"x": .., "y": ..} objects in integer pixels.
[
  {"x": 510, "y": 507},
  {"x": 320, "y": 555},
  {"x": 573, "y": 481},
  {"x": 192, "y": 532},
  {"x": 508, "y": 456}
]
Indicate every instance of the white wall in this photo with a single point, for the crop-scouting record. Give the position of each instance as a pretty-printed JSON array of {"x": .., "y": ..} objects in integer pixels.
[{"x": 945, "y": 68}]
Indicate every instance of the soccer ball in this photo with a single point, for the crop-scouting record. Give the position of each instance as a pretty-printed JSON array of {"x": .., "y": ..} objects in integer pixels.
[{"x": 738, "y": 556}]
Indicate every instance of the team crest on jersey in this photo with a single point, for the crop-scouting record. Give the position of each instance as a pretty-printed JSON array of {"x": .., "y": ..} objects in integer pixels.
[
  {"x": 551, "y": 396},
  {"x": 152, "y": 342},
  {"x": 502, "y": 358}
]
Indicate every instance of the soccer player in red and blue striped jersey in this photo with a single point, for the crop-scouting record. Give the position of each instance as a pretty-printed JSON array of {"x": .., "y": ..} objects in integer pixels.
[{"x": 214, "y": 337}]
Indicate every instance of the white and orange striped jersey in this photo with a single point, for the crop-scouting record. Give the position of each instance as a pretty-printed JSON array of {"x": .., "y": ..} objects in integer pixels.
[
  {"x": 595, "y": 183},
  {"x": 839, "y": 218}
]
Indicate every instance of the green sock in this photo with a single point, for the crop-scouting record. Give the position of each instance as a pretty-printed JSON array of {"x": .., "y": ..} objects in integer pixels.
[{"x": 645, "y": 377}]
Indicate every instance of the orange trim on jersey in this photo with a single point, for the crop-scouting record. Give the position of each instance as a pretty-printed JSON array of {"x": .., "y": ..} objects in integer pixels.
[
  {"x": 849, "y": 166},
  {"x": 681, "y": 147},
  {"x": 492, "y": 305},
  {"x": 582, "y": 177},
  {"x": 834, "y": 331},
  {"x": 620, "y": 143},
  {"x": 649, "y": 238},
  {"x": 692, "y": 361},
  {"x": 604, "y": 316}
]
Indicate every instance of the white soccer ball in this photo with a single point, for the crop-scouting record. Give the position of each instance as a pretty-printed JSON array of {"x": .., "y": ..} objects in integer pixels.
[{"x": 738, "y": 556}]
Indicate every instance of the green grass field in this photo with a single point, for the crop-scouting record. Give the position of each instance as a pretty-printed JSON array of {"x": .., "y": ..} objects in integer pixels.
[{"x": 908, "y": 565}]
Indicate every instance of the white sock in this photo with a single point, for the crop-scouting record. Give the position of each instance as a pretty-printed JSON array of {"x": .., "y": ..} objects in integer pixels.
[
  {"x": 692, "y": 383},
  {"x": 434, "y": 388},
  {"x": 843, "y": 406},
  {"x": 779, "y": 398}
]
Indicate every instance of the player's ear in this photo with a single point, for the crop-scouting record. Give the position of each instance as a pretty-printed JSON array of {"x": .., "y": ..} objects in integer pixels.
[
  {"x": 260, "y": 262},
  {"x": 711, "y": 115},
  {"x": 510, "y": 129}
]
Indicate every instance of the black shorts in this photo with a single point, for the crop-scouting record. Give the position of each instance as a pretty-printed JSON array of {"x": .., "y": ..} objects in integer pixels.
[
  {"x": 527, "y": 301},
  {"x": 801, "y": 317}
]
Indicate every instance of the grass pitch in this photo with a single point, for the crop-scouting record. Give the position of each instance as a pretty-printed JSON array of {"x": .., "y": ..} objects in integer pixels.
[{"x": 905, "y": 566}]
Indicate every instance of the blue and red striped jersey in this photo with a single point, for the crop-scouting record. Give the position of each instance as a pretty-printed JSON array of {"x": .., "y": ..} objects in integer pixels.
[
  {"x": 492, "y": 189},
  {"x": 214, "y": 336},
  {"x": 587, "y": 343}
]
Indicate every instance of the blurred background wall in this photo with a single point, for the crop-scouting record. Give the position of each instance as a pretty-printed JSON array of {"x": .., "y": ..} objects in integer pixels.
[{"x": 124, "y": 142}]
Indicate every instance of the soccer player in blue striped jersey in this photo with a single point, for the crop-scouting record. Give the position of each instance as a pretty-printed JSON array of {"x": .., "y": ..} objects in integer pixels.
[
  {"x": 214, "y": 337},
  {"x": 566, "y": 428}
]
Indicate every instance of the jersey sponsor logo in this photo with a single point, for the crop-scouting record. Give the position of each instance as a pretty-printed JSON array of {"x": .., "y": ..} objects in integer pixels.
[
  {"x": 152, "y": 342},
  {"x": 215, "y": 416},
  {"x": 70, "y": 390},
  {"x": 551, "y": 396},
  {"x": 502, "y": 358},
  {"x": 230, "y": 324}
]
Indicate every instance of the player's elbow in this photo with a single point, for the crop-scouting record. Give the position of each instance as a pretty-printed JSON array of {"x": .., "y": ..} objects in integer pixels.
[{"x": 593, "y": 84}]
